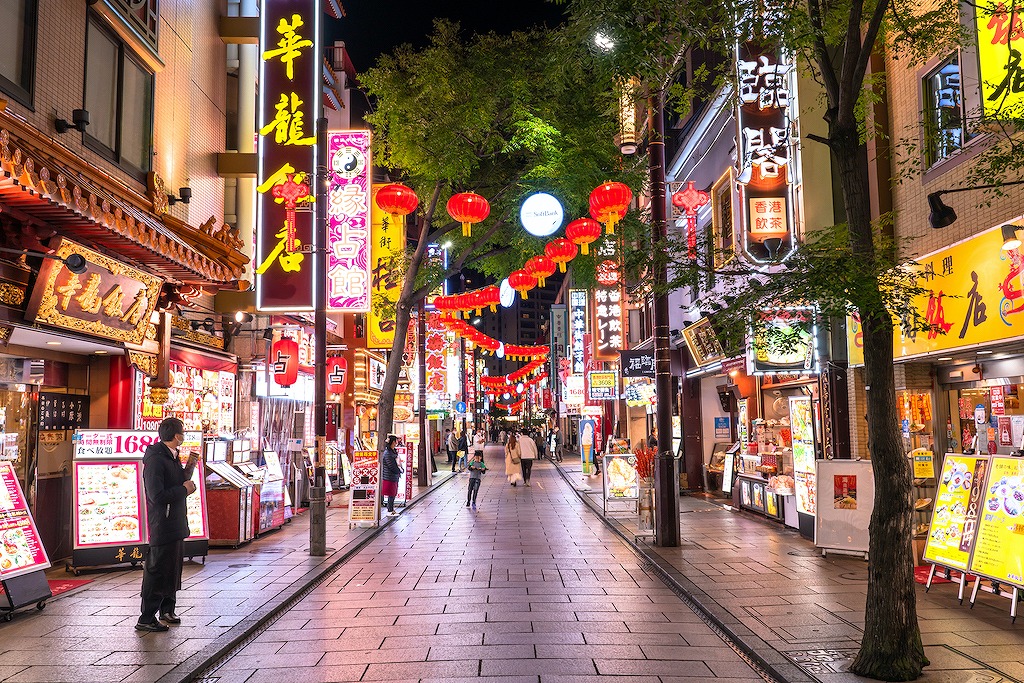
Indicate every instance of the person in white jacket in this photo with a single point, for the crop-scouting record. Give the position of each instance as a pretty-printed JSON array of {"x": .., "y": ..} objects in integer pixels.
[
  {"x": 479, "y": 441},
  {"x": 528, "y": 453}
]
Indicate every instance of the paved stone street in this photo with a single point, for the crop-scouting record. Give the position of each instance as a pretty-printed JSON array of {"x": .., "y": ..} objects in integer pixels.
[{"x": 530, "y": 586}]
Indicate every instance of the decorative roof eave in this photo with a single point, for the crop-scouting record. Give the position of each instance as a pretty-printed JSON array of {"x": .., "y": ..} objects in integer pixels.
[{"x": 206, "y": 255}]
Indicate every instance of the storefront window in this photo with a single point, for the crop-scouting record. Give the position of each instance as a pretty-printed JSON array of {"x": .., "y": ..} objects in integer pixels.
[
  {"x": 943, "y": 111},
  {"x": 986, "y": 420},
  {"x": 203, "y": 399},
  {"x": 915, "y": 415}
]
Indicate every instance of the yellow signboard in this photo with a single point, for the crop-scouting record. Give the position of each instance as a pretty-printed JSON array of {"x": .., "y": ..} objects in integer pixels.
[
  {"x": 999, "y": 548},
  {"x": 923, "y": 463},
  {"x": 1002, "y": 87},
  {"x": 387, "y": 240},
  {"x": 956, "y": 510},
  {"x": 974, "y": 294}
]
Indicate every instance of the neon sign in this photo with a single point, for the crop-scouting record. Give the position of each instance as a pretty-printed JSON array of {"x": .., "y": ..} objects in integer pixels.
[{"x": 348, "y": 221}]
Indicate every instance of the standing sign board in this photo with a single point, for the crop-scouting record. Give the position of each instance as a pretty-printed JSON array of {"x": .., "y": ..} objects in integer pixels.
[
  {"x": 364, "y": 507},
  {"x": 348, "y": 222},
  {"x": 21, "y": 549},
  {"x": 999, "y": 543},
  {"x": 956, "y": 510},
  {"x": 846, "y": 494}
]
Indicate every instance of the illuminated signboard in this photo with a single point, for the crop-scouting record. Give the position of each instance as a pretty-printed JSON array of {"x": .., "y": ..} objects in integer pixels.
[
  {"x": 1002, "y": 88},
  {"x": 387, "y": 243},
  {"x": 436, "y": 364},
  {"x": 290, "y": 75},
  {"x": 766, "y": 171},
  {"x": 577, "y": 330},
  {"x": 348, "y": 221},
  {"x": 109, "y": 299},
  {"x": 703, "y": 343},
  {"x": 603, "y": 385},
  {"x": 607, "y": 305},
  {"x": 785, "y": 343}
]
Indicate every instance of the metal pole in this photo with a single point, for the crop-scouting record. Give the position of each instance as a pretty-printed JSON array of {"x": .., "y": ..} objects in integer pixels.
[
  {"x": 666, "y": 481},
  {"x": 465, "y": 389},
  {"x": 421, "y": 352},
  {"x": 317, "y": 492}
]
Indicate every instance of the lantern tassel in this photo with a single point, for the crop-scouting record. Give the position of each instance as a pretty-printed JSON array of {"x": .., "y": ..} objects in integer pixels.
[
  {"x": 494, "y": 309},
  {"x": 585, "y": 248},
  {"x": 611, "y": 225},
  {"x": 525, "y": 297},
  {"x": 467, "y": 229},
  {"x": 561, "y": 267}
]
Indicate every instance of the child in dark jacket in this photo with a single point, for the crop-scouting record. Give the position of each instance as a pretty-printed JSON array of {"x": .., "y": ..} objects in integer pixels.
[{"x": 476, "y": 472}]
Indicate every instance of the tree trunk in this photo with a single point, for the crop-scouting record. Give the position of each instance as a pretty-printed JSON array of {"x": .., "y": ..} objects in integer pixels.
[
  {"x": 386, "y": 407},
  {"x": 891, "y": 649}
]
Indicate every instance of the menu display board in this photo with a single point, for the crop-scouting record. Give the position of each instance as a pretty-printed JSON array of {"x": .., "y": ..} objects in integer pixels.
[
  {"x": 999, "y": 543},
  {"x": 621, "y": 481},
  {"x": 363, "y": 502},
  {"x": 801, "y": 421},
  {"x": 108, "y": 503},
  {"x": 21, "y": 550},
  {"x": 108, "y": 444},
  {"x": 195, "y": 507},
  {"x": 958, "y": 502},
  {"x": 203, "y": 399}
]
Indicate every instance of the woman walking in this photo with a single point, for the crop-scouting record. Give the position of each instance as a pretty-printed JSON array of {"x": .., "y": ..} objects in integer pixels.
[
  {"x": 513, "y": 460},
  {"x": 479, "y": 441},
  {"x": 390, "y": 473}
]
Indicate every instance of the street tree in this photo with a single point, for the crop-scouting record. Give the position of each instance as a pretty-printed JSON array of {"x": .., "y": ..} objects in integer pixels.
[
  {"x": 855, "y": 267},
  {"x": 499, "y": 115}
]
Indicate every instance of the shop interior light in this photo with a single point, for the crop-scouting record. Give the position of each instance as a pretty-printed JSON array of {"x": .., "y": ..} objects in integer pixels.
[
  {"x": 1010, "y": 239},
  {"x": 243, "y": 317},
  {"x": 53, "y": 343}
]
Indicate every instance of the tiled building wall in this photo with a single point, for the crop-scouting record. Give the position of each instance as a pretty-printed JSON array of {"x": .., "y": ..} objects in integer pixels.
[
  {"x": 189, "y": 106},
  {"x": 858, "y": 399}
]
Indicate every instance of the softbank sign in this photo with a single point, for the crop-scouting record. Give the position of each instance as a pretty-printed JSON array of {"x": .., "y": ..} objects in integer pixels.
[{"x": 541, "y": 214}]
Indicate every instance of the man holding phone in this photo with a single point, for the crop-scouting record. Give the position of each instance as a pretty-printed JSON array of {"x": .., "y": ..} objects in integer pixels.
[{"x": 167, "y": 484}]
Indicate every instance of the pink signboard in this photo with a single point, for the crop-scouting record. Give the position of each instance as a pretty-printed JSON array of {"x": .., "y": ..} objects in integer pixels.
[
  {"x": 348, "y": 221},
  {"x": 108, "y": 503},
  {"x": 21, "y": 550}
]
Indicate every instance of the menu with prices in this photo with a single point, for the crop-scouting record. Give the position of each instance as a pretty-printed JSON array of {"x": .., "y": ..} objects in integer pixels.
[
  {"x": 21, "y": 550},
  {"x": 801, "y": 420},
  {"x": 108, "y": 504},
  {"x": 103, "y": 445},
  {"x": 362, "y": 505},
  {"x": 195, "y": 507},
  {"x": 999, "y": 543},
  {"x": 955, "y": 513}
]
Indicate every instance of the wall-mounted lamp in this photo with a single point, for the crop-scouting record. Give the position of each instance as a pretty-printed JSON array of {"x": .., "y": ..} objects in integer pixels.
[
  {"x": 773, "y": 244},
  {"x": 184, "y": 196},
  {"x": 1010, "y": 238},
  {"x": 208, "y": 324},
  {"x": 79, "y": 121},
  {"x": 941, "y": 215},
  {"x": 243, "y": 317},
  {"x": 76, "y": 263}
]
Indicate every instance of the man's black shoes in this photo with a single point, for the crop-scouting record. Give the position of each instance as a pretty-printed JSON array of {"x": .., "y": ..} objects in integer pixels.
[
  {"x": 170, "y": 618},
  {"x": 152, "y": 627}
]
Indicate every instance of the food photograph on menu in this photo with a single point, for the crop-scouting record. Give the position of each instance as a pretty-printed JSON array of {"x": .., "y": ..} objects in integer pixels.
[
  {"x": 108, "y": 503},
  {"x": 21, "y": 550}
]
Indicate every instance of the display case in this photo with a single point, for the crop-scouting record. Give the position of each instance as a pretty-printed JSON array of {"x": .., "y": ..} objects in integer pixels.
[
  {"x": 271, "y": 510},
  {"x": 915, "y": 415},
  {"x": 230, "y": 502}
]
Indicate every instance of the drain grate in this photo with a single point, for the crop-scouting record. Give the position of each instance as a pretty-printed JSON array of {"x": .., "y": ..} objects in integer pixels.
[
  {"x": 810, "y": 552},
  {"x": 238, "y": 566}
]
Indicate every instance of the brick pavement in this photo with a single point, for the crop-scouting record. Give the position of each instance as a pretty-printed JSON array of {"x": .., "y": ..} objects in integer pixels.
[
  {"x": 88, "y": 636},
  {"x": 529, "y": 587}
]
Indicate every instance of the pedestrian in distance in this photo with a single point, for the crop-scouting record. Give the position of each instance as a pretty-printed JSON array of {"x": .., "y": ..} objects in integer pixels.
[
  {"x": 652, "y": 440},
  {"x": 167, "y": 485},
  {"x": 538, "y": 439},
  {"x": 462, "y": 450},
  {"x": 513, "y": 460},
  {"x": 555, "y": 443},
  {"x": 527, "y": 454},
  {"x": 451, "y": 444},
  {"x": 476, "y": 472},
  {"x": 479, "y": 441},
  {"x": 390, "y": 473}
]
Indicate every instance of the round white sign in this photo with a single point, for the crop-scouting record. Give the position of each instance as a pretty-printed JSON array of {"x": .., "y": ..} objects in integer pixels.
[
  {"x": 507, "y": 295},
  {"x": 541, "y": 214}
]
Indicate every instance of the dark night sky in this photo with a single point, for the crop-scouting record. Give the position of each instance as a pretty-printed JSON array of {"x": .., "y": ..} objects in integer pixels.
[{"x": 374, "y": 27}]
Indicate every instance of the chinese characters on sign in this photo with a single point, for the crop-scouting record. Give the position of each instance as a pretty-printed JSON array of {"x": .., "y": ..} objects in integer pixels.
[
  {"x": 999, "y": 58},
  {"x": 387, "y": 244},
  {"x": 766, "y": 155},
  {"x": 63, "y": 411},
  {"x": 577, "y": 328},
  {"x": 607, "y": 306},
  {"x": 603, "y": 386},
  {"x": 703, "y": 343},
  {"x": 288, "y": 108},
  {"x": 109, "y": 299},
  {"x": 348, "y": 221},
  {"x": 637, "y": 363},
  {"x": 435, "y": 361}
]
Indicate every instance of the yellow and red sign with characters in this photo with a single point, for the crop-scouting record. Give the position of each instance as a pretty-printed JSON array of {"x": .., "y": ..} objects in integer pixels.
[
  {"x": 1000, "y": 41},
  {"x": 387, "y": 244},
  {"x": 974, "y": 294}
]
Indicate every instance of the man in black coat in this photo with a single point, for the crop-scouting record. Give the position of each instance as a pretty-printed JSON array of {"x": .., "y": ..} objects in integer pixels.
[{"x": 167, "y": 485}]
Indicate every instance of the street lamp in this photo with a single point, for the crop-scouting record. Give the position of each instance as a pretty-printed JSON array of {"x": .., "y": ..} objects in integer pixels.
[{"x": 941, "y": 215}]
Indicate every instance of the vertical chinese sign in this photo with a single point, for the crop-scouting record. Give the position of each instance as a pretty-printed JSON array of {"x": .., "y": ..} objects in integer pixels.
[
  {"x": 387, "y": 243},
  {"x": 607, "y": 311},
  {"x": 348, "y": 221},
  {"x": 577, "y": 329},
  {"x": 435, "y": 360},
  {"x": 765, "y": 168},
  {"x": 1002, "y": 74},
  {"x": 289, "y": 104}
]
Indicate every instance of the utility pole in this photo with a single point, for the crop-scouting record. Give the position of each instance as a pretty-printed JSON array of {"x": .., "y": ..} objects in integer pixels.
[
  {"x": 421, "y": 389},
  {"x": 666, "y": 481},
  {"x": 318, "y": 491}
]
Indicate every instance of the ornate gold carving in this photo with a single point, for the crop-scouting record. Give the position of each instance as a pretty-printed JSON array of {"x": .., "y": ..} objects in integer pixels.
[
  {"x": 157, "y": 192},
  {"x": 12, "y": 294},
  {"x": 158, "y": 395},
  {"x": 145, "y": 362},
  {"x": 5, "y": 334}
]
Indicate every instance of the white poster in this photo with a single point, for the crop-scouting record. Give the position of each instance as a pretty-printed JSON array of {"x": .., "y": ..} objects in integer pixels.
[{"x": 845, "y": 496}]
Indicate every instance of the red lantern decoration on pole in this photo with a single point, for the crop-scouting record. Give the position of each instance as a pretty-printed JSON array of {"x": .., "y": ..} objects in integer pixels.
[
  {"x": 284, "y": 360},
  {"x": 608, "y": 203},
  {"x": 561, "y": 251},
  {"x": 522, "y": 282},
  {"x": 690, "y": 200},
  {"x": 468, "y": 208},
  {"x": 337, "y": 374},
  {"x": 583, "y": 231},
  {"x": 540, "y": 267},
  {"x": 492, "y": 297},
  {"x": 397, "y": 201}
]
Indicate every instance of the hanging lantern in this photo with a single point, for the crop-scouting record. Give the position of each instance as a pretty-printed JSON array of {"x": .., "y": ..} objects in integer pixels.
[
  {"x": 441, "y": 303},
  {"x": 337, "y": 374},
  {"x": 492, "y": 297},
  {"x": 397, "y": 201},
  {"x": 561, "y": 251},
  {"x": 522, "y": 282},
  {"x": 284, "y": 360},
  {"x": 468, "y": 208},
  {"x": 608, "y": 203},
  {"x": 540, "y": 267},
  {"x": 583, "y": 231}
]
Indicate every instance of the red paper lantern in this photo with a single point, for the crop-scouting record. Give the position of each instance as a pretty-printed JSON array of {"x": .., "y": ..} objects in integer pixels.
[
  {"x": 492, "y": 297},
  {"x": 284, "y": 359},
  {"x": 561, "y": 251},
  {"x": 522, "y": 282},
  {"x": 337, "y": 374},
  {"x": 468, "y": 208},
  {"x": 608, "y": 203},
  {"x": 583, "y": 231},
  {"x": 396, "y": 200},
  {"x": 540, "y": 267}
]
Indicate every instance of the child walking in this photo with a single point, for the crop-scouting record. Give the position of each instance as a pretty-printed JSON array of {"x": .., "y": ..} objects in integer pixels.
[{"x": 476, "y": 471}]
